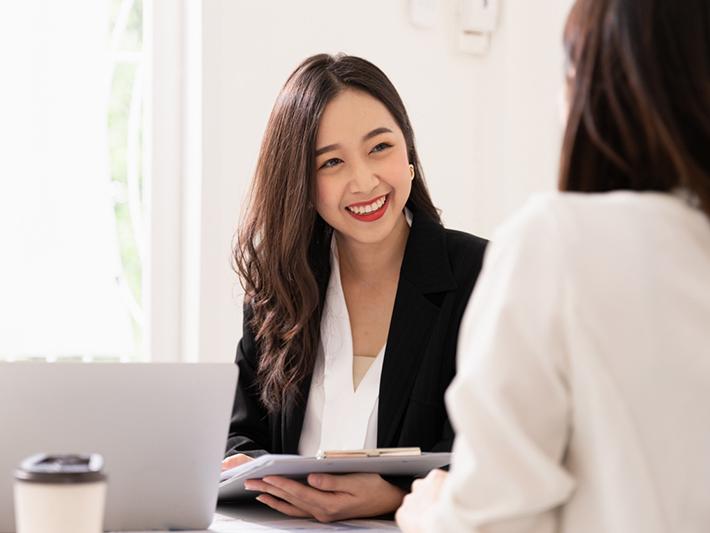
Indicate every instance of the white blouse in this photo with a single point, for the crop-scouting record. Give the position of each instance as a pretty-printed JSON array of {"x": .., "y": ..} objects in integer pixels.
[
  {"x": 338, "y": 415},
  {"x": 582, "y": 403}
]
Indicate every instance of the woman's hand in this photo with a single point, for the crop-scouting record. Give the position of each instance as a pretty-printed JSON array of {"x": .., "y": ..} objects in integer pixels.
[
  {"x": 329, "y": 497},
  {"x": 235, "y": 460},
  {"x": 425, "y": 493}
]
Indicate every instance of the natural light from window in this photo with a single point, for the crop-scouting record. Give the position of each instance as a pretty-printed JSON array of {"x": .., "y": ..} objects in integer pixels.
[{"x": 72, "y": 181}]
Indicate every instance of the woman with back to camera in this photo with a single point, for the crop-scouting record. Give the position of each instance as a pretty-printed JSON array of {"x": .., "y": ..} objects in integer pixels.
[
  {"x": 354, "y": 291},
  {"x": 581, "y": 403}
]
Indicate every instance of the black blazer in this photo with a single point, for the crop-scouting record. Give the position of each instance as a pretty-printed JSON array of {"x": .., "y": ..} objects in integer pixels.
[{"x": 438, "y": 273}]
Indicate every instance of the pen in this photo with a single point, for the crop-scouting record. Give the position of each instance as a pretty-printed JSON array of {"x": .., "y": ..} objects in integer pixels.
[{"x": 371, "y": 452}]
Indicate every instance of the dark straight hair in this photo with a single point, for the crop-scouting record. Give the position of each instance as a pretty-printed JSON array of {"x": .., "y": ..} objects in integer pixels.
[
  {"x": 282, "y": 248},
  {"x": 639, "y": 97}
]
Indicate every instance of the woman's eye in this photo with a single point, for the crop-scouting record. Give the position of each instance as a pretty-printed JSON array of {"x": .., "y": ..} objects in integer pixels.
[
  {"x": 331, "y": 163},
  {"x": 380, "y": 147}
]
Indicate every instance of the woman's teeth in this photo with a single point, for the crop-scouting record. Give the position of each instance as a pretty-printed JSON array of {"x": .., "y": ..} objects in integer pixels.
[{"x": 366, "y": 209}]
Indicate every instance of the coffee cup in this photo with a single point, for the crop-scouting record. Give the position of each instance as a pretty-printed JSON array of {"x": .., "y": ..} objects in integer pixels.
[{"x": 60, "y": 494}]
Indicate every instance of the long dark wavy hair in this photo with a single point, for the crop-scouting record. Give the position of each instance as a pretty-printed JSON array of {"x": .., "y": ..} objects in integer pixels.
[
  {"x": 639, "y": 113},
  {"x": 281, "y": 252}
]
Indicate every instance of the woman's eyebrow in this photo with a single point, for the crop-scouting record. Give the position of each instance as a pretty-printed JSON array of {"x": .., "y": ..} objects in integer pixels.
[
  {"x": 376, "y": 132},
  {"x": 325, "y": 149},
  {"x": 370, "y": 135}
]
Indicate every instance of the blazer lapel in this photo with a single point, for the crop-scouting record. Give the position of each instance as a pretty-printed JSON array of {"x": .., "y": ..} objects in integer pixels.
[
  {"x": 412, "y": 322},
  {"x": 425, "y": 271}
]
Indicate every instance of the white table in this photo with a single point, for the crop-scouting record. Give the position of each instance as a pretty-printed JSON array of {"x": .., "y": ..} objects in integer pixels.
[{"x": 257, "y": 518}]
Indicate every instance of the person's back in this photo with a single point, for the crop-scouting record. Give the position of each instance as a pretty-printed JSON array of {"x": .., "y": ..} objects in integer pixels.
[
  {"x": 581, "y": 402},
  {"x": 635, "y": 272}
]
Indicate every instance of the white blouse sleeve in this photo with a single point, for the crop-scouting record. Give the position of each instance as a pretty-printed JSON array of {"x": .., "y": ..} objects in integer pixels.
[{"x": 509, "y": 402}]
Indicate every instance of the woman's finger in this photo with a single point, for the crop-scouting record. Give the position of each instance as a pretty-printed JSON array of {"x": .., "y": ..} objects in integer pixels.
[
  {"x": 282, "y": 506},
  {"x": 311, "y": 499},
  {"x": 235, "y": 460},
  {"x": 261, "y": 485},
  {"x": 437, "y": 474},
  {"x": 330, "y": 483}
]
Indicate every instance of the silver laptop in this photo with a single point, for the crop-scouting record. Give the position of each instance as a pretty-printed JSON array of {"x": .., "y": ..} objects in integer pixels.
[{"x": 161, "y": 428}]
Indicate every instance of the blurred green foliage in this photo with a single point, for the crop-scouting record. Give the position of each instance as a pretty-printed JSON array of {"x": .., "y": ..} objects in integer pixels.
[{"x": 122, "y": 87}]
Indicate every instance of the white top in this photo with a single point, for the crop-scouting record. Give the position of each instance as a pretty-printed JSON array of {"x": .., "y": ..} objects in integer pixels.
[
  {"x": 583, "y": 398},
  {"x": 338, "y": 415}
]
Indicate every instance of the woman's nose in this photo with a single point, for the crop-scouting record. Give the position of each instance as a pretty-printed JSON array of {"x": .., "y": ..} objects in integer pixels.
[{"x": 364, "y": 179}]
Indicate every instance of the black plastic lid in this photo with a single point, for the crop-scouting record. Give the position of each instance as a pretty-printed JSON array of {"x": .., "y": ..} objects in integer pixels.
[{"x": 44, "y": 468}]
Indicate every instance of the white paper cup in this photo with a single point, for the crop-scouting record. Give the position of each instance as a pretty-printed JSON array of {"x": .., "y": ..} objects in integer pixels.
[{"x": 60, "y": 494}]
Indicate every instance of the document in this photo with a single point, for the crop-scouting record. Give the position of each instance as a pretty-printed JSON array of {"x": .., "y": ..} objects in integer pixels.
[
  {"x": 298, "y": 467},
  {"x": 258, "y": 518},
  {"x": 225, "y": 524}
]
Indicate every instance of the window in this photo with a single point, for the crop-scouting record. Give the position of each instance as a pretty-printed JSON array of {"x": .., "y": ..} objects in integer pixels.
[{"x": 73, "y": 181}]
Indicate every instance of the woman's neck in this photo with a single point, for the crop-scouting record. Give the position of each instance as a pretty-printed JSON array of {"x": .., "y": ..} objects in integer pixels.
[{"x": 373, "y": 262}]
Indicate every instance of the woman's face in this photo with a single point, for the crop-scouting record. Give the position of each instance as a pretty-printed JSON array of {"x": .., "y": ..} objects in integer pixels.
[{"x": 363, "y": 178}]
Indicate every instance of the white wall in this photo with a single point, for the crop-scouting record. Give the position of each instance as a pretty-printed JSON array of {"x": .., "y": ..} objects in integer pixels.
[{"x": 487, "y": 128}]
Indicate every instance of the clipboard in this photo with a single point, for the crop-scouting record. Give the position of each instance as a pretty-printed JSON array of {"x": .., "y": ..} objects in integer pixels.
[{"x": 384, "y": 461}]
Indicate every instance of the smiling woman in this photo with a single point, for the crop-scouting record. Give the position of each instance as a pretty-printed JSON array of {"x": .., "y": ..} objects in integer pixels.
[
  {"x": 354, "y": 291},
  {"x": 362, "y": 178}
]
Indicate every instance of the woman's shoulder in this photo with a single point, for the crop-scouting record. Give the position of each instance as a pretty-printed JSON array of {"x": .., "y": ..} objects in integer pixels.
[
  {"x": 592, "y": 215},
  {"x": 465, "y": 253},
  {"x": 462, "y": 245},
  {"x": 462, "y": 240},
  {"x": 438, "y": 257}
]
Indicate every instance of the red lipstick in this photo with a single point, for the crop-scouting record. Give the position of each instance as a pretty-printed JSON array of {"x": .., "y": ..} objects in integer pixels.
[{"x": 372, "y": 215}]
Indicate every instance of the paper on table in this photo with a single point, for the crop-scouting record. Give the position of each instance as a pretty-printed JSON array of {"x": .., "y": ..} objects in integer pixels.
[{"x": 226, "y": 524}]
